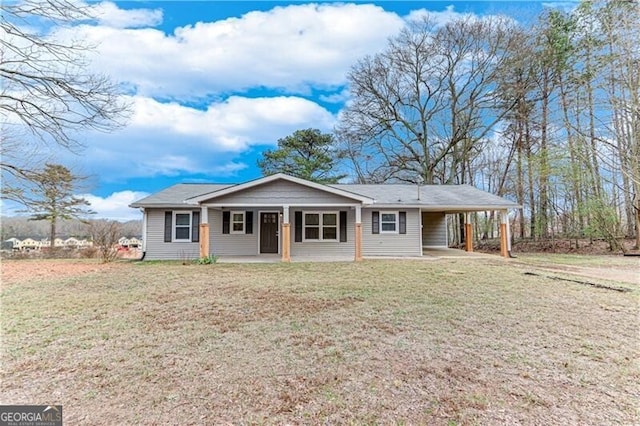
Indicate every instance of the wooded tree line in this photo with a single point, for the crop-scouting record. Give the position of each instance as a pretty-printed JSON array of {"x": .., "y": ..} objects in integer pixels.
[{"x": 548, "y": 115}]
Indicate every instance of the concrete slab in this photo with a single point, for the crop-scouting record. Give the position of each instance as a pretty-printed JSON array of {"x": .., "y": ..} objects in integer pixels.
[
  {"x": 428, "y": 254},
  {"x": 451, "y": 253}
]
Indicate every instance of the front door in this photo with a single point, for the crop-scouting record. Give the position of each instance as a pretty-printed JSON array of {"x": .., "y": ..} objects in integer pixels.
[{"x": 268, "y": 232}]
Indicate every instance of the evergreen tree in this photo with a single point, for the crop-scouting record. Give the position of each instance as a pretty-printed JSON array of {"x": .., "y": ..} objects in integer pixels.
[
  {"x": 51, "y": 197},
  {"x": 308, "y": 154}
]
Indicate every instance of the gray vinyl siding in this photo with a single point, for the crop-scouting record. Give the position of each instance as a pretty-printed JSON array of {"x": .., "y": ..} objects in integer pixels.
[
  {"x": 157, "y": 249},
  {"x": 322, "y": 248},
  {"x": 281, "y": 192},
  {"x": 434, "y": 229},
  {"x": 392, "y": 244},
  {"x": 233, "y": 244}
]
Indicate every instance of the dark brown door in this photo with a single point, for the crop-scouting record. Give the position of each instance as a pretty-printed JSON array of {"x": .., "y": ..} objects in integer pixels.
[{"x": 268, "y": 232}]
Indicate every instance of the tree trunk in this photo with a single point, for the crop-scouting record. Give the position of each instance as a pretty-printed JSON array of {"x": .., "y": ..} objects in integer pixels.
[
  {"x": 52, "y": 235},
  {"x": 543, "y": 212}
]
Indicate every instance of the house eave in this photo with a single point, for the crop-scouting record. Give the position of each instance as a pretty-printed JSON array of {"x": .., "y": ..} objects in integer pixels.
[
  {"x": 273, "y": 205},
  {"x": 446, "y": 208},
  {"x": 163, "y": 206}
]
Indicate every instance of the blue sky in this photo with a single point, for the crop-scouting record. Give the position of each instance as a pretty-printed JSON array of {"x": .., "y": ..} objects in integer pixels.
[{"x": 213, "y": 84}]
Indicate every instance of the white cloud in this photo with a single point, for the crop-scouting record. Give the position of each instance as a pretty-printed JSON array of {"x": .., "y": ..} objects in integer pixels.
[
  {"x": 336, "y": 98},
  {"x": 439, "y": 17},
  {"x": 291, "y": 48},
  {"x": 110, "y": 15},
  {"x": 565, "y": 6},
  {"x": 116, "y": 205},
  {"x": 234, "y": 124},
  {"x": 170, "y": 139}
]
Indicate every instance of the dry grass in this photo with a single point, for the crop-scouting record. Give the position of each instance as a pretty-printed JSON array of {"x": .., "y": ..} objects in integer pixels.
[{"x": 378, "y": 342}]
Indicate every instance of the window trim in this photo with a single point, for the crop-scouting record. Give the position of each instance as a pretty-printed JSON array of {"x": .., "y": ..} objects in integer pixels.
[
  {"x": 396, "y": 222},
  {"x": 320, "y": 227},
  {"x": 174, "y": 227},
  {"x": 232, "y": 222}
]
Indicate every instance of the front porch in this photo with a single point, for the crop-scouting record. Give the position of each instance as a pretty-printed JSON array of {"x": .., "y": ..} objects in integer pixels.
[{"x": 427, "y": 254}]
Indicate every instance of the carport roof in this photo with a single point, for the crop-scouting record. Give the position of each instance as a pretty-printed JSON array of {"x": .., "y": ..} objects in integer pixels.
[{"x": 451, "y": 198}]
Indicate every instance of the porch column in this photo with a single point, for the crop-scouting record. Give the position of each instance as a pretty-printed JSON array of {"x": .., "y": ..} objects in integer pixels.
[
  {"x": 504, "y": 240},
  {"x": 468, "y": 233},
  {"x": 204, "y": 232},
  {"x": 358, "y": 255},
  {"x": 286, "y": 235}
]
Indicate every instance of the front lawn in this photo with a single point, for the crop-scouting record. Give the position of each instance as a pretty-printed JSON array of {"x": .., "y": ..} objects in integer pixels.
[{"x": 459, "y": 341}]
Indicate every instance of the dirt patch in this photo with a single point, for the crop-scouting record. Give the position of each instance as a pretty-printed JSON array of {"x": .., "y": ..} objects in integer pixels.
[
  {"x": 610, "y": 268},
  {"x": 610, "y": 274},
  {"x": 19, "y": 271}
]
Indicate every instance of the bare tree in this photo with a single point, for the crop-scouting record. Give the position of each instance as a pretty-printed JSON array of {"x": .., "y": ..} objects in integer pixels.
[
  {"x": 421, "y": 107},
  {"x": 48, "y": 93},
  {"x": 105, "y": 235},
  {"x": 620, "y": 23}
]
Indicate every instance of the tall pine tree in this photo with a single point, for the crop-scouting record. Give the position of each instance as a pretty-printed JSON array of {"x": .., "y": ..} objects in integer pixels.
[
  {"x": 308, "y": 154},
  {"x": 51, "y": 197}
]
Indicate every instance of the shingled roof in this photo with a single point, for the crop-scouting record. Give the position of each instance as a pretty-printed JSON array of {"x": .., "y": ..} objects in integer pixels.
[
  {"x": 431, "y": 197},
  {"x": 175, "y": 195},
  {"x": 449, "y": 198}
]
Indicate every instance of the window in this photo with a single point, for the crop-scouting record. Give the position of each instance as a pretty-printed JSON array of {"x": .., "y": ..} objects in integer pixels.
[
  {"x": 182, "y": 226},
  {"x": 237, "y": 222},
  {"x": 320, "y": 226},
  {"x": 388, "y": 222}
]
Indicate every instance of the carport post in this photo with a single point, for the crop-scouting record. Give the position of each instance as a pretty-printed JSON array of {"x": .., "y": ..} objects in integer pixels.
[
  {"x": 468, "y": 233},
  {"x": 504, "y": 234},
  {"x": 204, "y": 232}
]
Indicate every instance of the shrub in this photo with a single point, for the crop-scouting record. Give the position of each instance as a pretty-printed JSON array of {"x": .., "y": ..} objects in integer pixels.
[
  {"x": 105, "y": 234},
  {"x": 207, "y": 260}
]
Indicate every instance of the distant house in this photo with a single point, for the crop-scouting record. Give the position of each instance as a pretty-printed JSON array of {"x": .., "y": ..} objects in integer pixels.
[
  {"x": 11, "y": 244},
  {"x": 46, "y": 242},
  {"x": 291, "y": 217},
  {"x": 84, "y": 243},
  {"x": 29, "y": 244},
  {"x": 71, "y": 243},
  {"x": 134, "y": 242}
]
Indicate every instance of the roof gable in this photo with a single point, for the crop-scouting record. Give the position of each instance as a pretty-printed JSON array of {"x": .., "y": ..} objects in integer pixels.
[{"x": 212, "y": 196}]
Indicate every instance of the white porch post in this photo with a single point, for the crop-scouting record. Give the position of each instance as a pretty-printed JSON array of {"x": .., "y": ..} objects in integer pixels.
[
  {"x": 358, "y": 230},
  {"x": 144, "y": 230},
  {"x": 286, "y": 235},
  {"x": 204, "y": 231}
]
